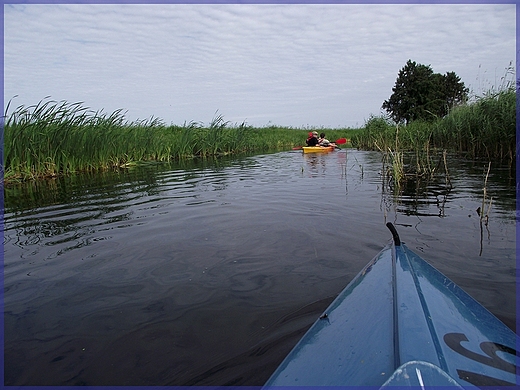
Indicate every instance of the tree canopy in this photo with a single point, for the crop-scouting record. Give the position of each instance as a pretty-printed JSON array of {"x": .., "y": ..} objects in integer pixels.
[{"x": 419, "y": 93}]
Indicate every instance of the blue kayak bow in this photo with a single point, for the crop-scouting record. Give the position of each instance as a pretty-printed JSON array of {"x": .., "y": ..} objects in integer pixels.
[{"x": 400, "y": 322}]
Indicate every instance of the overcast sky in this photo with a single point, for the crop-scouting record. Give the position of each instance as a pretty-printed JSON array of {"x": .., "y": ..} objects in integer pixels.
[{"x": 290, "y": 65}]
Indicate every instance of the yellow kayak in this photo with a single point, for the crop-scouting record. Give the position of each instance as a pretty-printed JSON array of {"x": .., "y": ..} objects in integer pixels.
[{"x": 318, "y": 149}]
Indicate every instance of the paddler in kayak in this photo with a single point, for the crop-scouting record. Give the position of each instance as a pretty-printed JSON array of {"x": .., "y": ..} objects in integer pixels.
[
  {"x": 308, "y": 138},
  {"x": 322, "y": 141},
  {"x": 313, "y": 139}
]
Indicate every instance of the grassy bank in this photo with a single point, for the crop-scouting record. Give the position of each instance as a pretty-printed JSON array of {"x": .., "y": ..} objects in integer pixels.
[
  {"x": 53, "y": 138},
  {"x": 485, "y": 128}
]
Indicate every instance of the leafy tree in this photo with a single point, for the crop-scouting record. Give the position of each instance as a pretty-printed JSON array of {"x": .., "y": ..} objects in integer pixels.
[
  {"x": 419, "y": 93},
  {"x": 454, "y": 90}
]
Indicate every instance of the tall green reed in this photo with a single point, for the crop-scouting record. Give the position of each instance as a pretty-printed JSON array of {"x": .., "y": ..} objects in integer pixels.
[
  {"x": 482, "y": 129},
  {"x": 53, "y": 138}
]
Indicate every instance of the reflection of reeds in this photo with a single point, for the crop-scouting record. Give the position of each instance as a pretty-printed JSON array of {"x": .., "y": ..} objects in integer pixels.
[
  {"x": 448, "y": 180},
  {"x": 482, "y": 211},
  {"x": 360, "y": 167}
]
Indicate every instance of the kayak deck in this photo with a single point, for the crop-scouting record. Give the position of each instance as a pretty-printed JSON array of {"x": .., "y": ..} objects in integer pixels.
[
  {"x": 402, "y": 322},
  {"x": 318, "y": 149}
]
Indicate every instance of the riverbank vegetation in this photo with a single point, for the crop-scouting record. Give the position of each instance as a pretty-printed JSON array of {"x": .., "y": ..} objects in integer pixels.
[
  {"x": 482, "y": 128},
  {"x": 53, "y": 138},
  {"x": 485, "y": 129}
]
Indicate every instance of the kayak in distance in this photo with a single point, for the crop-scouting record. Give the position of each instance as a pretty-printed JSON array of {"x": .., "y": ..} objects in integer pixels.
[
  {"x": 400, "y": 322},
  {"x": 321, "y": 149},
  {"x": 318, "y": 149}
]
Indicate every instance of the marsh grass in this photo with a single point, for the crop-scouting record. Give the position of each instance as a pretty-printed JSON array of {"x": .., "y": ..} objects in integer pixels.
[
  {"x": 407, "y": 152},
  {"x": 53, "y": 138},
  {"x": 485, "y": 128}
]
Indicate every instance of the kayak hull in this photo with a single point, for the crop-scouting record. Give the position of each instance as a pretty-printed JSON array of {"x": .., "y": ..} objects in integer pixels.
[
  {"x": 318, "y": 149},
  {"x": 398, "y": 317}
]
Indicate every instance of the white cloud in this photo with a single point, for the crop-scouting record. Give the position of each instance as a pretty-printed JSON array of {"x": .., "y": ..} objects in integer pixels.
[{"x": 330, "y": 65}]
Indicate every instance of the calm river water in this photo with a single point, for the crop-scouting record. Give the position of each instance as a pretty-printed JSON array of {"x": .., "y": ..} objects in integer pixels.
[{"x": 208, "y": 274}]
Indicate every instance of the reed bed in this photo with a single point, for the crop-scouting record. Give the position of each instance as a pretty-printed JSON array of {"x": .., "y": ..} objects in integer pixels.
[
  {"x": 482, "y": 129},
  {"x": 53, "y": 138},
  {"x": 485, "y": 128}
]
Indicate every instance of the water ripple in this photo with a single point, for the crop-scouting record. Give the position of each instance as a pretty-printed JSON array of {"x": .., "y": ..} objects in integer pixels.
[{"x": 164, "y": 275}]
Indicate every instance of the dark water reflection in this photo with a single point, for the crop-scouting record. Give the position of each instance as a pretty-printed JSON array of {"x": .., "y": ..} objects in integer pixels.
[{"x": 208, "y": 274}]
